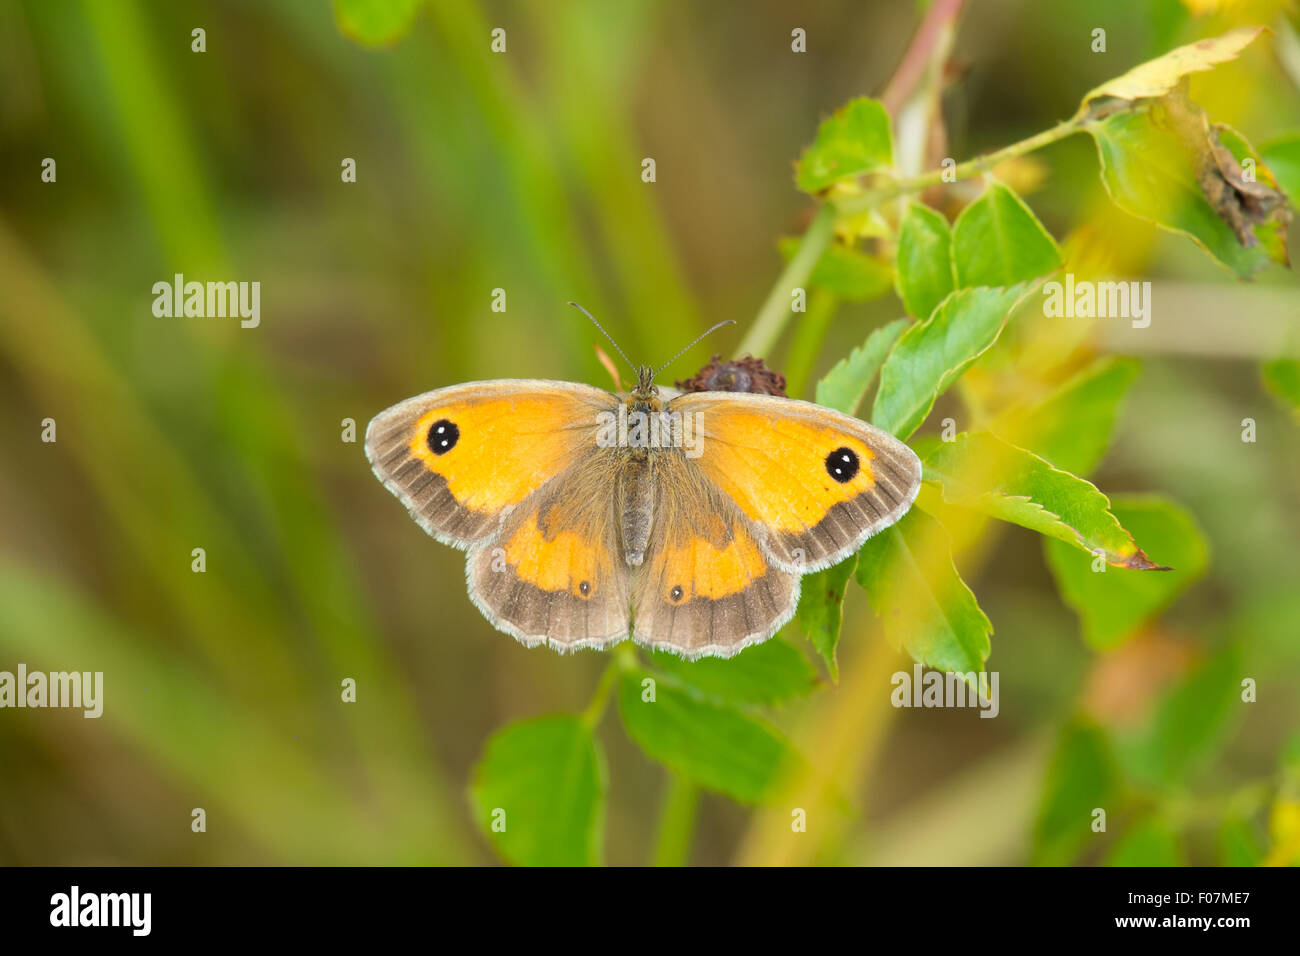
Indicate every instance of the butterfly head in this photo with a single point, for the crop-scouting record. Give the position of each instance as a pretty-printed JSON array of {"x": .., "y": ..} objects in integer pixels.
[{"x": 645, "y": 391}]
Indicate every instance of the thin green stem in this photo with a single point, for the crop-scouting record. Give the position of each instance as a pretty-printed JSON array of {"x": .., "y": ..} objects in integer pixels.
[
  {"x": 623, "y": 659},
  {"x": 851, "y": 205},
  {"x": 600, "y": 699},
  {"x": 676, "y": 822},
  {"x": 775, "y": 312}
]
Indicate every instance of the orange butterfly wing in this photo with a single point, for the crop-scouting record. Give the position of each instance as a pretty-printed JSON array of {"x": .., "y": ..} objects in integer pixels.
[
  {"x": 818, "y": 482},
  {"x": 459, "y": 457}
]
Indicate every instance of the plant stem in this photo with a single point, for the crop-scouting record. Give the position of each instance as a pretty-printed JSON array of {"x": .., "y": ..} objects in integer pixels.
[
  {"x": 851, "y": 205},
  {"x": 600, "y": 698},
  {"x": 676, "y": 822},
  {"x": 775, "y": 312}
]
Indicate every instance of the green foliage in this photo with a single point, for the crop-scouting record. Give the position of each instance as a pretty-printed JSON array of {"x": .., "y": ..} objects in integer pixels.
[
  {"x": 820, "y": 609},
  {"x": 1082, "y": 777},
  {"x": 933, "y": 353},
  {"x": 179, "y": 438},
  {"x": 1282, "y": 378},
  {"x": 851, "y": 274},
  {"x": 1283, "y": 157},
  {"x": 1149, "y": 173},
  {"x": 1114, "y": 603},
  {"x": 1072, "y": 427},
  {"x": 979, "y": 471},
  {"x": 997, "y": 241},
  {"x": 846, "y": 383},
  {"x": 713, "y": 745},
  {"x": 925, "y": 267},
  {"x": 376, "y": 22},
  {"x": 539, "y": 793},
  {"x": 1189, "y": 722},
  {"x": 1149, "y": 842},
  {"x": 769, "y": 673},
  {"x": 853, "y": 142},
  {"x": 915, "y": 590},
  {"x": 1239, "y": 844}
]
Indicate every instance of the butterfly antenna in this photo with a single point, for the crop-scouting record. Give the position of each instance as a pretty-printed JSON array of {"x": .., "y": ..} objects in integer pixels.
[
  {"x": 606, "y": 334},
  {"x": 696, "y": 339}
]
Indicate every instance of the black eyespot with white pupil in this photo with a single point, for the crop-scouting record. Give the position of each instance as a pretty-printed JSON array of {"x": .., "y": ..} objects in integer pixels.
[
  {"x": 842, "y": 464},
  {"x": 443, "y": 435},
  {"x": 584, "y": 588},
  {"x": 676, "y": 593}
]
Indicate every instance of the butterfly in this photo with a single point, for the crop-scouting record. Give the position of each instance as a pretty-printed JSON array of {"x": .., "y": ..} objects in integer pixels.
[{"x": 682, "y": 521}]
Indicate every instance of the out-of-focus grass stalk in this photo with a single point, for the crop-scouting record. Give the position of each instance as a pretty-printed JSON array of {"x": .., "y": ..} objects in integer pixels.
[
  {"x": 536, "y": 186},
  {"x": 808, "y": 337},
  {"x": 676, "y": 822},
  {"x": 592, "y": 53},
  {"x": 258, "y": 427},
  {"x": 775, "y": 312}
]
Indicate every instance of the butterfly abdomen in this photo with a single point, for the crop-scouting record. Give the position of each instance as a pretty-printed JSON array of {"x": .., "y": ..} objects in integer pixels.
[{"x": 635, "y": 498}]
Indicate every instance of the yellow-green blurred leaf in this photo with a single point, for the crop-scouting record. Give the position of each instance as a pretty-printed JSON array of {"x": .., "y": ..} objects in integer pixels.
[
  {"x": 1157, "y": 77},
  {"x": 1114, "y": 603},
  {"x": 921, "y": 600}
]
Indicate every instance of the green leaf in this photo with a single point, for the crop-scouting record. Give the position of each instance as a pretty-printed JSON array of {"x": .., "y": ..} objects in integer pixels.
[
  {"x": 1282, "y": 155},
  {"x": 821, "y": 604},
  {"x": 855, "y": 141},
  {"x": 1072, "y": 428},
  {"x": 849, "y": 273},
  {"x": 845, "y": 384},
  {"x": 925, "y": 272},
  {"x": 998, "y": 241},
  {"x": 932, "y": 354},
  {"x": 1188, "y": 725},
  {"x": 1240, "y": 843},
  {"x": 719, "y": 748},
  {"x": 1149, "y": 842},
  {"x": 376, "y": 22},
  {"x": 1282, "y": 378},
  {"x": 986, "y": 474},
  {"x": 768, "y": 673},
  {"x": 548, "y": 776},
  {"x": 914, "y": 588},
  {"x": 1161, "y": 75},
  {"x": 1150, "y": 173},
  {"x": 1114, "y": 603},
  {"x": 1081, "y": 777}
]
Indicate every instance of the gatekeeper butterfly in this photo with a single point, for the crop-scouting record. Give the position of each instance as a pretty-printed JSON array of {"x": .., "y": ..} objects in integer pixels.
[{"x": 683, "y": 521}]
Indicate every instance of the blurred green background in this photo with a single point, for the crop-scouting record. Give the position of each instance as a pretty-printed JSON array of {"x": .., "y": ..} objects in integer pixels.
[{"x": 522, "y": 171}]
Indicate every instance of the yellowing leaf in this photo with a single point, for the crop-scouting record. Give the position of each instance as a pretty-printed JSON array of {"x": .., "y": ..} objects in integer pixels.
[{"x": 1159, "y": 76}]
